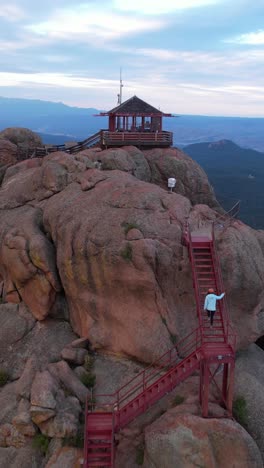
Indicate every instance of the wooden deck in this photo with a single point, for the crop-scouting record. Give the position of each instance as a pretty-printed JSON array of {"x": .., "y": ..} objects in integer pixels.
[{"x": 151, "y": 139}]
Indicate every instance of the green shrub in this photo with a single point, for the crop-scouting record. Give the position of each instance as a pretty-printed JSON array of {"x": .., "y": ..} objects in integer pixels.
[
  {"x": 173, "y": 339},
  {"x": 140, "y": 455},
  {"x": 126, "y": 253},
  {"x": 128, "y": 226},
  {"x": 77, "y": 441},
  {"x": 178, "y": 400},
  {"x": 88, "y": 362},
  {"x": 240, "y": 410},
  {"x": 88, "y": 380},
  {"x": 3, "y": 377},
  {"x": 164, "y": 321},
  {"x": 41, "y": 442}
]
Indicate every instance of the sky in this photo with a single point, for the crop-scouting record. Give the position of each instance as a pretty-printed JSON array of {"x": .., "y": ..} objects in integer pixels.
[{"x": 202, "y": 57}]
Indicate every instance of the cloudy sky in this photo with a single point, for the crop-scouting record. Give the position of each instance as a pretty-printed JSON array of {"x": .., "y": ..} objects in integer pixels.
[{"x": 184, "y": 56}]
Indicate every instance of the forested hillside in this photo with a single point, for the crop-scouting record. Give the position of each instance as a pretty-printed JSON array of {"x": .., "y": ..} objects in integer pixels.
[{"x": 235, "y": 173}]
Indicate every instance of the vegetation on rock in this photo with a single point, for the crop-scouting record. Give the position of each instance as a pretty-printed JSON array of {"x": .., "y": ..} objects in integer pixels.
[
  {"x": 126, "y": 253},
  {"x": 140, "y": 454},
  {"x": 128, "y": 226},
  {"x": 240, "y": 410},
  {"x": 41, "y": 442},
  {"x": 4, "y": 376},
  {"x": 88, "y": 380},
  {"x": 178, "y": 400}
]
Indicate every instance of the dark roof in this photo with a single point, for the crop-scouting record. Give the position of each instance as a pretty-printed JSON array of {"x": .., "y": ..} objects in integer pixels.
[{"x": 135, "y": 106}]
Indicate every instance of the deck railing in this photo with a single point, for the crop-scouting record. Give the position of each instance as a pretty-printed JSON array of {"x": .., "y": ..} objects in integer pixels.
[{"x": 136, "y": 137}]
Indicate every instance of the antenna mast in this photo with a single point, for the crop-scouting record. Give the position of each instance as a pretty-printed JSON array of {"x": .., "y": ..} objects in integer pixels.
[{"x": 120, "y": 88}]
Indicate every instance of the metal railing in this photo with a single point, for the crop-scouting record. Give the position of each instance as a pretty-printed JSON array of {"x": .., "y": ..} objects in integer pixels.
[
  {"x": 136, "y": 137},
  {"x": 230, "y": 335},
  {"x": 42, "y": 151},
  {"x": 139, "y": 384}
]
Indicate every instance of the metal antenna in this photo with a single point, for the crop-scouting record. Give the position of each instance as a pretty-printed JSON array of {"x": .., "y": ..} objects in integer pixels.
[{"x": 121, "y": 86}]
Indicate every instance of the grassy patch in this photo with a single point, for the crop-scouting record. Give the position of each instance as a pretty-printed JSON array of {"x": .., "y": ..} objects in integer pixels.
[
  {"x": 41, "y": 442},
  {"x": 77, "y": 441},
  {"x": 3, "y": 377},
  {"x": 126, "y": 253},
  {"x": 88, "y": 362},
  {"x": 88, "y": 380},
  {"x": 140, "y": 455},
  {"x": 128, "y": 226},
  {"x": 178, "y": 400},
  {"x": 240, "y": 410}
]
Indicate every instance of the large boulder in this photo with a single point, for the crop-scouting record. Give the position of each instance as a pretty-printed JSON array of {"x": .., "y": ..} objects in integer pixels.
[
  {"x": 127, "y": 159},
  {"x": 191, "y": 180},
  {"x": 193, "y": 441},
  {"x": 111, "y": 244},
  {"x": 241, "y": 252},
  {"x": 68, "y": 457},
  {"x": 21, "y": 136},
  {"x": 20, "y": 457},
  {"x": 27, "y": 346},
  {"x": 8, "y": 152},
  {"x": 249, "y": 383},
  {"x": 157, "y": 166}
]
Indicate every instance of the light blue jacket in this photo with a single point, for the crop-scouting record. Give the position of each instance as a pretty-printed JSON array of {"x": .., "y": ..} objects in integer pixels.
[{"x": 210, "y": 301}]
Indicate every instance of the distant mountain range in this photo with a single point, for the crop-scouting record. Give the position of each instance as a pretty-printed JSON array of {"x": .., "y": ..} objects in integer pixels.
[
  {"x": 57, "y": 122},
  {"x": 236, "y": 174},
  {"x": 50, "y": 119}
]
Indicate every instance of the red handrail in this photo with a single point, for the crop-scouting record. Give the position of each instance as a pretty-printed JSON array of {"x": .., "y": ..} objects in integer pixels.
[
  {"x": 139, "y": 383},
  {"x": 229, "y": 331},
  {"x": 196, "y": 288}
]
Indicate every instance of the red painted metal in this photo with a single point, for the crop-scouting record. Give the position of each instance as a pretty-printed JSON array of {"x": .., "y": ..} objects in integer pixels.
[
  {"x": 136, "y": 138},
  {"x": 137, "y": 114},
  {"x": 204, "y": 349},
  {"x": 99, "y": 440}
]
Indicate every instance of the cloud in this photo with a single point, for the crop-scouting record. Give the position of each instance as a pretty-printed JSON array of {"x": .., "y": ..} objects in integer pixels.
[
  {"x": 157, "y": 7},
  {"x": 86, "y": 22},
  {"x": 173, "y": 95},
  {"x": 53, "y": 79},
  {"x": 253, "y": 38},
  {"x": 11, "y": 12}
]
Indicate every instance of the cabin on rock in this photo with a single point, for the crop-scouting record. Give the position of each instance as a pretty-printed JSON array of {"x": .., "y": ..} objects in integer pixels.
[{"x": 137, "y": 123}]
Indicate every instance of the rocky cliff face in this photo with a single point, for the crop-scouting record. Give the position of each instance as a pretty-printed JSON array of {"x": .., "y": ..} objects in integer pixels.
[
  {"x": 110, "y": 242},
  {"x": 102, "y": 249}
]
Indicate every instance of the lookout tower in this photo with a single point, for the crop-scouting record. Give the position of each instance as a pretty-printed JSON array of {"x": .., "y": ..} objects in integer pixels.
[{"x": 135, "y": 122}]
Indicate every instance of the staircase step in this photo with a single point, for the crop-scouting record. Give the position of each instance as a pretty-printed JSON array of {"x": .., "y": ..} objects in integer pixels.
[
  {"x": 202, "y": 254},
  {"x": 200, "y": 268},
  {"x": 99, "y": 445},
  {"x": 210, "y": 273},
  {"x": 202, "y": 260},
  {"x": 98, "y": 463},
  {"x": 95, "y": 435},
  {"x": 99, "y": 456}
]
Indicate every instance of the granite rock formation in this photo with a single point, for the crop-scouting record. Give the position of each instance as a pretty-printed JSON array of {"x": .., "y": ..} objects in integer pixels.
[{"x": 102, "y": 249}]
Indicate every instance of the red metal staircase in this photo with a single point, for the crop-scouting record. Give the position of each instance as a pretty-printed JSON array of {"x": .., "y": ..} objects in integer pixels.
[
  {"x": 99, "y": 439},
  {"x": 206, "y": 350}
]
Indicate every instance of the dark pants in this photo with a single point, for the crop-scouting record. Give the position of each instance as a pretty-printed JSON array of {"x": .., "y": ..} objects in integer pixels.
[{"x": 210, "y": 314}]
